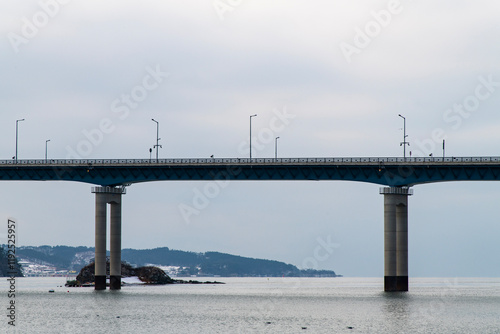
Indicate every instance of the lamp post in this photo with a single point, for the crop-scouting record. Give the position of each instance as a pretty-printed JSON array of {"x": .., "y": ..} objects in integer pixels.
[
  {"x": 251, "y": 135},
  {"x": 404, "y": 143},
  {"x": 17, "y": 121},
  {"x": 276, "y": 148},
  {"x": 444, "y": 148},
  {"x": 157, "y": 137},
  {"x": 46, "y": 149}
]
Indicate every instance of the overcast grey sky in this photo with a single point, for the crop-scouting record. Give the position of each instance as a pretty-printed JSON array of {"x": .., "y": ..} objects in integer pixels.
[{"x": 89, "y": 75}]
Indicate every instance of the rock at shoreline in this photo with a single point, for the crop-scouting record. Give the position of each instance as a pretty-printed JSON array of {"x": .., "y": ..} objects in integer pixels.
[
  {"x": 153, "y": 275},
  {"x": 147, "y": 275}
]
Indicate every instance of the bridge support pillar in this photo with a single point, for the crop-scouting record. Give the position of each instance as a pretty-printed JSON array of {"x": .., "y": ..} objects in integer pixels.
[
  {"x": 396, "y": 238},
  {"x": 104, "y": 196}
]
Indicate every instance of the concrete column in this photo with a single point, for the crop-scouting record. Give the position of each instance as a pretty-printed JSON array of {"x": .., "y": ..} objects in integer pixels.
[
  {"x": 100, "y": 241},
  {"x": 390, "y": 260},
  {"x": 105, "y": 195},
  {"x": 115, "y": 260},
  {"x": 402, "y": 244},
  {"x": 396, "y": 238}
]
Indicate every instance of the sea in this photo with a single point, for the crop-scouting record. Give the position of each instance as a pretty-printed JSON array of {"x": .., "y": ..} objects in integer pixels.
[{"x": 254, "y": 305}]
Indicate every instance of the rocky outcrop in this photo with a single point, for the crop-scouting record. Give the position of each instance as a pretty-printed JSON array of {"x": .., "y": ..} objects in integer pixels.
[
  {"x": 153, "y": 275},
  {"x": 148, "y": 275}
]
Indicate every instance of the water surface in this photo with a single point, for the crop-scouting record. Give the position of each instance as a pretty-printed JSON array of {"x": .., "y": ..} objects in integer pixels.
[{"x": 258, "y": 305}]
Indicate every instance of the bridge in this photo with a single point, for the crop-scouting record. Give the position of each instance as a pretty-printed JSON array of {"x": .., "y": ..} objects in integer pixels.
[
  {"x": 392, "y": 172},
  {"x": 398, "y": 175}
]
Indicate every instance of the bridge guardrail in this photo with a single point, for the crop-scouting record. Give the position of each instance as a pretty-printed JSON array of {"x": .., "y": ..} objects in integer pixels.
[{"x": 184, "y": 161}]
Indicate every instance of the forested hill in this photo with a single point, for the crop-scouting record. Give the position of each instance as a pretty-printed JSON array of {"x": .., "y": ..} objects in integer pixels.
[
  {"x": 214, "y": 263},
  {"x": 209, "y": 263},
  {"x": 9, "y": 267}
]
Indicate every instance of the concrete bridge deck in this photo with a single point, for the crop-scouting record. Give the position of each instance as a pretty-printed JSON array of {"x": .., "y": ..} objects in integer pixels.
[{"x": 393, "y": 172}]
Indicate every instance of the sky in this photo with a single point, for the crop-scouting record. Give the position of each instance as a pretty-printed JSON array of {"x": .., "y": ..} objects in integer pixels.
[{"x": 329, "y": 78}]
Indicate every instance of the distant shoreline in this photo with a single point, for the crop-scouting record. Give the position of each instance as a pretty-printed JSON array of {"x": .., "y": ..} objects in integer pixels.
[{"x": 63, "y": 261}]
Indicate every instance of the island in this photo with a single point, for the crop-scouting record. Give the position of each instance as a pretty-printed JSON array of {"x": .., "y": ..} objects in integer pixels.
[{"x": 147, "y": 275}]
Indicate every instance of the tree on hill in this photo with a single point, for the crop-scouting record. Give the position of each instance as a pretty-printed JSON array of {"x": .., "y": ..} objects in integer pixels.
[{"x": 9, "y": 266}]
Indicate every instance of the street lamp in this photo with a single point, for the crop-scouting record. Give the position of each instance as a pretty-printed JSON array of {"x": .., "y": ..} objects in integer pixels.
[
  {"x": 444, "y": 148},
  {"x": 157, "y": 137},
  {"x": 276, "y": 149},
  {"x": 17, "y": 121},
  {"x": 404, "y": 143},
  {"x": 46, "y": 149},
  {"x": 251, "y": 136}
]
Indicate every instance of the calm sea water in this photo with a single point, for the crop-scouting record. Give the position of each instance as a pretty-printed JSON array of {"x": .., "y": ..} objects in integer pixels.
[{"x": 258, "y": 305}]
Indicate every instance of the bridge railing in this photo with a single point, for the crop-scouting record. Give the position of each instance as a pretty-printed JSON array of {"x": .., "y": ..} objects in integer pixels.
[{"x": 187, "y": 161}]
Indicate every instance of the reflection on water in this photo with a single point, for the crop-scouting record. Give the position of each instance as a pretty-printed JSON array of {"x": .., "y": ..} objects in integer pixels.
[
  {"x": 396, "y": 310},
  {"x": 261, "y": 305}
]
